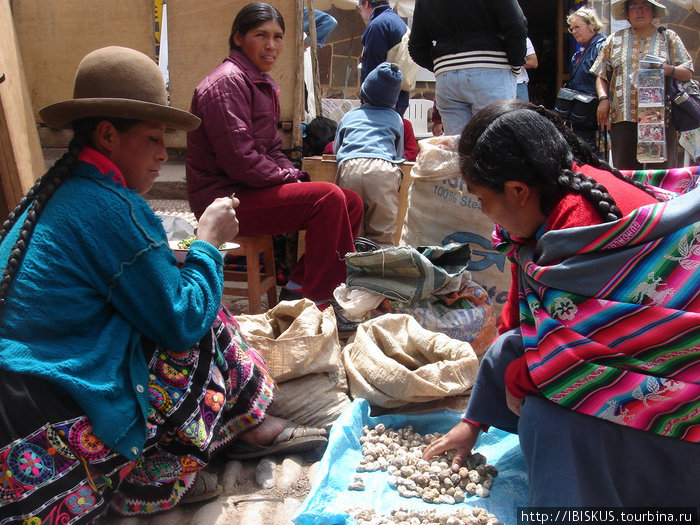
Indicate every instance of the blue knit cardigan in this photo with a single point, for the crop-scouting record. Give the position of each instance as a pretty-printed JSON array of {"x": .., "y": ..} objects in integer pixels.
[{"x": 97, "y": 276}]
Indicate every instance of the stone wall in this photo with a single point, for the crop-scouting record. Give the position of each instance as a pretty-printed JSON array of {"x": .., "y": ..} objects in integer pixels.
[{"x": 338, "y": 60}]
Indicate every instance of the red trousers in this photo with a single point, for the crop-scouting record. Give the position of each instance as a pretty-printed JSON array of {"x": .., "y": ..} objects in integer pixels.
[{"x": 330, "y": 215}]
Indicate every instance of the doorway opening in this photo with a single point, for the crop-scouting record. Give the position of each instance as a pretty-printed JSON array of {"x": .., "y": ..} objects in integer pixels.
[{"x": 554, "y": 46}]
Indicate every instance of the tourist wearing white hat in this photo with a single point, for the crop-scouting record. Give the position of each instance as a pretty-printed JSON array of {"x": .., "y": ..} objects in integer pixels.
[{"x": 619, "y": 58}]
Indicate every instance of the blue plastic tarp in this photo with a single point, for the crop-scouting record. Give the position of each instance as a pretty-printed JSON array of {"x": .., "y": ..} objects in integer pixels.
[{"x": 329, "y": 498}]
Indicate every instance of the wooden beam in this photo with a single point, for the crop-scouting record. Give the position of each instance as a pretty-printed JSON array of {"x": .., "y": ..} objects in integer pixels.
[
  {"x": 21, "y": 158},
  {"x": 298, "y": 112},
  {"x": 313, "y": 38}
]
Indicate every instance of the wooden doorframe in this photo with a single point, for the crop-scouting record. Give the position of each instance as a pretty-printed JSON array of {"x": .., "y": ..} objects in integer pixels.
[
  {"x": 561, "y": 39},
  {"x": 21, "y": 158}
]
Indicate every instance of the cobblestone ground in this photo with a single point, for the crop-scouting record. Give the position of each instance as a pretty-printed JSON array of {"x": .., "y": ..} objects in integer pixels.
[{"x": 265, "y": 491}]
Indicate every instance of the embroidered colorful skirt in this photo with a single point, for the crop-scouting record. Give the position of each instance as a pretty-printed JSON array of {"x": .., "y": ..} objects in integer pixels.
[{"x": 53, "y": 469}]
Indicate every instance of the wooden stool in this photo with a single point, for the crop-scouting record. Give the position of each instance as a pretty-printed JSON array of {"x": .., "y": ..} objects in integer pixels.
[{"x": 251, "y": 246}]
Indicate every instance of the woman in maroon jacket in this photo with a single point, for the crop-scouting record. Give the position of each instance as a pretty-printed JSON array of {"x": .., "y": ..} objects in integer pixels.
[{"x": 237, "y": 150}]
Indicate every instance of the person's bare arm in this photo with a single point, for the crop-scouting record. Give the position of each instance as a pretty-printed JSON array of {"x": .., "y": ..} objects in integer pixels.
[
  {"x": 601, "y": 87},
  {"x": 678, "y": 72},
  {"x": 531, "y": 61},
  {"x": 461, "y": 438}
]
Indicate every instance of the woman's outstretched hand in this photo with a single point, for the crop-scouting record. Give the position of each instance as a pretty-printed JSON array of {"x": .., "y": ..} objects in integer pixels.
[
  {"x": 461, "y": 438},
  {"x": 218, "y": 224}
]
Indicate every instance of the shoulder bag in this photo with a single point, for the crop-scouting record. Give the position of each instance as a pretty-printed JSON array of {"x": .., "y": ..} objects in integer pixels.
[
  {"x": 576, "y": 106},
  {"x": 684, "y": 104},
  {"x": 682, "y": 99},
  {"x": 399, "y": 55}
]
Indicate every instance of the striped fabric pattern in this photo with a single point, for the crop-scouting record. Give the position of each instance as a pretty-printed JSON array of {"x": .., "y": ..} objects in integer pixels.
[
  {"x": 610, "y": 317},
  {"x": 678, "y": 180},
  {"x": 471, "y": 59}
]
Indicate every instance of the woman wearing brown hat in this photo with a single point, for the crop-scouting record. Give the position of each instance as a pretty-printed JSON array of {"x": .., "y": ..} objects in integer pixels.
[
  {"x": 119, "y": 373},
  {"x": 618, "y": 109}
]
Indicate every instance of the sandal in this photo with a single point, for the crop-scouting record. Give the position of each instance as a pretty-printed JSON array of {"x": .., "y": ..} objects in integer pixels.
[
  {"x": 204, "y": 488},
  {"x": 363, "y": 244},
  {"x": 290, "y": 295},
  {"x": 293, "y": 438}
]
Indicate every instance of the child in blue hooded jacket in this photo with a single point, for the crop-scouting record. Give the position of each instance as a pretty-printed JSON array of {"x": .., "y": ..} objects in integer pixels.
[{"x": 369, "y": 149}]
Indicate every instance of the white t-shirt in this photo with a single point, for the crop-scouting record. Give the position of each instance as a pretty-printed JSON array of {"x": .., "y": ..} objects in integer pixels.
[{"x": 529, "y": 50}]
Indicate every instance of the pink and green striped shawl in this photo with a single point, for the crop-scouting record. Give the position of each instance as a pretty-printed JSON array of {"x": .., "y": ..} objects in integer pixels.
[
  {"x": 677, "y": 180},
  {"x": 610, "y": 317}
]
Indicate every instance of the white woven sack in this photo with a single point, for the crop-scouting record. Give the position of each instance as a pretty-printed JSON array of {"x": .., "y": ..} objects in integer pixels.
[
  {"x": 437, "y": 184},
  {"x": 394, "y": 361},
  {"x": 301, "y": 350},
  {"x": 295, "y": 338}
]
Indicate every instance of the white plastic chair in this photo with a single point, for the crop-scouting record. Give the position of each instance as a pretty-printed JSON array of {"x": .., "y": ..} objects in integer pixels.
[{"x": 417, "y": 115}]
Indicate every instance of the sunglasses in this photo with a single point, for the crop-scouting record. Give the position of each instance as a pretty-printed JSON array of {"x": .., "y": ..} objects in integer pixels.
[{"x": 576, "y": 28}]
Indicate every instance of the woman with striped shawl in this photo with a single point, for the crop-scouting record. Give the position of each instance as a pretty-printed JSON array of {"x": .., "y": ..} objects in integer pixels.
[{"x": 596, "y": 367}]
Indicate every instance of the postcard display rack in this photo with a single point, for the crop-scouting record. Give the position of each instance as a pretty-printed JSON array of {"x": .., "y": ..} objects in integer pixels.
[{"x": 651, "y": 132}]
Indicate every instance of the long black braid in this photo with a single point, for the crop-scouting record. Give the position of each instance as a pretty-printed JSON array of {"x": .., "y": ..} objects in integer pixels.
[
  {"x": 35, "y": 199},
  {"x": 592, "y": 191},
  {"x": 509, "y": 140}
]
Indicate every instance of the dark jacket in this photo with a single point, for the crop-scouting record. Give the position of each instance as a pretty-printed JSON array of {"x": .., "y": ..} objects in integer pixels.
[
  {"x": 237, "y": 145},
  {"x": 459, "y": 26},
  {"x": 581, "y": 78},
  {"x": 384, "y": 31}
]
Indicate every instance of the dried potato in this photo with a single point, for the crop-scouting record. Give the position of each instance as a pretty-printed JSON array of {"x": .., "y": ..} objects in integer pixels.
[{"x": 399, "y": 452}]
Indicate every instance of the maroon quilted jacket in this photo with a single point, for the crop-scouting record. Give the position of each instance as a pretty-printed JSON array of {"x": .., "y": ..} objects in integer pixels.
[{"x": 237, "y": 145}]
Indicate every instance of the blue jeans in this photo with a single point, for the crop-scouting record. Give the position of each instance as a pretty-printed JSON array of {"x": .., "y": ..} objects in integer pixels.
[
  {"x": 459, "y": 94},
  {"x": 522, "y": 92},
  {"x": 325, "y": 23}
]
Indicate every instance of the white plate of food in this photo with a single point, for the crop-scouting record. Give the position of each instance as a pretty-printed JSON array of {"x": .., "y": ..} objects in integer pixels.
[{"x": 180, "y": 248}]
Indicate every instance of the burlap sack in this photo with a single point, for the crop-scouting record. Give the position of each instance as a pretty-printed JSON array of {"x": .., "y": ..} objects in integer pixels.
[
  {"x": 393, "y": 361},
  {"x": 302, "y": 352},
  {"x": 437, "y": 184}
]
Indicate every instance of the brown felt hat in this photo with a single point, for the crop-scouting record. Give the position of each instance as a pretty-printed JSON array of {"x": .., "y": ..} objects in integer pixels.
[
  {"x": 620, "y": 13},
  {"x": 118, "y": 82}
]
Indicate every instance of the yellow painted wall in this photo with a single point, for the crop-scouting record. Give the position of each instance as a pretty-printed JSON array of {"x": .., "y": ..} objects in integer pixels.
[
  {"x": 198, "y": 34},
  {"x": 54, "y": 35}
]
